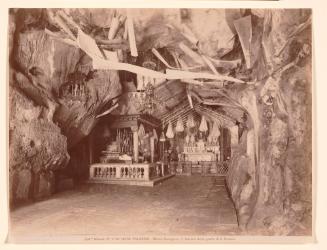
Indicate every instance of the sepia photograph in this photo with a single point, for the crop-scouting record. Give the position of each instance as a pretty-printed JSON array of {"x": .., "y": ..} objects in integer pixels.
[{"x": 167, "y": 125}]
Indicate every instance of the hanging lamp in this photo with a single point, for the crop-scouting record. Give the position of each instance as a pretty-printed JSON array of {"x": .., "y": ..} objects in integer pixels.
[
  {"x": 141, "y": 131},
  {"x": 214, "y": 133},
  {"x": 179, "y": 125},
  {"x": 203, "y": 125},
  {"x": 215, "y": 130},
  {"x": 162, "y": 137},
  {"x": 170, "y": 132}
]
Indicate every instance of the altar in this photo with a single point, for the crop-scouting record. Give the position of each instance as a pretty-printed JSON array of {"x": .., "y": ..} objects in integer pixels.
[
  {"x": 199, "y": 157},
  {"x": 130, "y": 156},
  {"x": 200, "y": 151},
  {"x": 198, "y": 144}
]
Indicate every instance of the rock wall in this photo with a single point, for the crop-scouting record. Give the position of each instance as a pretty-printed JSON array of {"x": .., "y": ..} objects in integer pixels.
[
  {"x": 272, "y": 193},
  {"x": 241, "y": 182},
  {"x": 36, "y": 149},
  {"x": 44, "y": 121}
]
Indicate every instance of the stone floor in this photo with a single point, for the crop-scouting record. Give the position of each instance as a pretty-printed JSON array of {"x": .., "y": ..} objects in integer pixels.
[{"x": 182, "y": 205}]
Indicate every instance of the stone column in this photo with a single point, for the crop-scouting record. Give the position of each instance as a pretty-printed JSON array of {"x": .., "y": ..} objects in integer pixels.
[
  {"x": 118, "y": 171},
  {"x": 90, "y": 146},
  {"x": 146, "y": 172},
  {"x": 221, "y": 138},
  {"x": 135, "y": 144},
  {"x": 234, "y": 138},
  {"x": 152, "y": 148},
  {"x": 92, "y": 169}
]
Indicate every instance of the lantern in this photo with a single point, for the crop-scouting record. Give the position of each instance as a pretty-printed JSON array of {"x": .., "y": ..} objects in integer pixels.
[
  {"x": 214, "y": 133},
  {"x": 170, "y": 132},
  {"x": 203, "y": 125},
  {"x": 179, "y": 125}
]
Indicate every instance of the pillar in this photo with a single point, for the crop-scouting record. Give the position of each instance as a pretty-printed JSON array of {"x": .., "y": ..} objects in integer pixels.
[
  {"x": 92, "y": 174},
  {"x": 146, "y": 172},
  {"x": 152, "y": 148},
  {"x": 233, "y": 137},
  {"x": 135, "y": 144},
  {"x": 90, "y": 146},
  {"x": 221, "y": 139},
  {"x": 118, "y": 171}
]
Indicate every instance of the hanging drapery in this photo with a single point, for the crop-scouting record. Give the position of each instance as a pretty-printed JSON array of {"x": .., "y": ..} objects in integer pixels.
[
  {"x": 141, "y": 131},
  {"x": 187, "y": 139},
  {"x": 179, "y": 125},
  {"x": 192, "y": 139},
  {"x": 203, "y": 125},
  {"x": 190, "y": 121},
  {"x": 214, "y": 133},
  {"x": 170, "y": 132}
]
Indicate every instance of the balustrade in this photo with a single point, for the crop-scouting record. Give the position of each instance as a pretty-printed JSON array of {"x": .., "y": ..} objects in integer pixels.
[
  {"x": 203, "y": 167},
  {"x": 102, "y": 171}
]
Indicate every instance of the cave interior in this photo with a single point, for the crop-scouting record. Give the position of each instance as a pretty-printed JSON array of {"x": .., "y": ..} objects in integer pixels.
[{"x": 140, "y": 97}]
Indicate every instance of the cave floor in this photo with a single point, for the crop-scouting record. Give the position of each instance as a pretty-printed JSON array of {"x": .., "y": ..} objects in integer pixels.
[{"x": 182, "y": 205}]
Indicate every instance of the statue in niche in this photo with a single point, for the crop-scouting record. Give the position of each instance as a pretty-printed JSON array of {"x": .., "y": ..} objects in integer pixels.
[{"x": 75, "y": 88}]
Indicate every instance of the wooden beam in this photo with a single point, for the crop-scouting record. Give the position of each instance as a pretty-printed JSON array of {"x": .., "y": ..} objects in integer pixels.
[
  {"x": 215, "y": 114},
  {"x": 108, "y": 111},
  {"x": 220, "y": 104},
  {"x": 181, "y": 106},
  {"x": 114, "y": 25},
  {"x": 189, "y": 99},
  {"x": 174, "y": 118}
]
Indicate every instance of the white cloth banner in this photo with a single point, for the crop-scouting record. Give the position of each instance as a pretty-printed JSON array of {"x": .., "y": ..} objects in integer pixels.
[{"x": 89, "y": 46}]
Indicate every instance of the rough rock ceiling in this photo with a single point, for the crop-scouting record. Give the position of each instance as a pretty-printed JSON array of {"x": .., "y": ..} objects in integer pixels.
[{"x": 52, "y": 45}]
